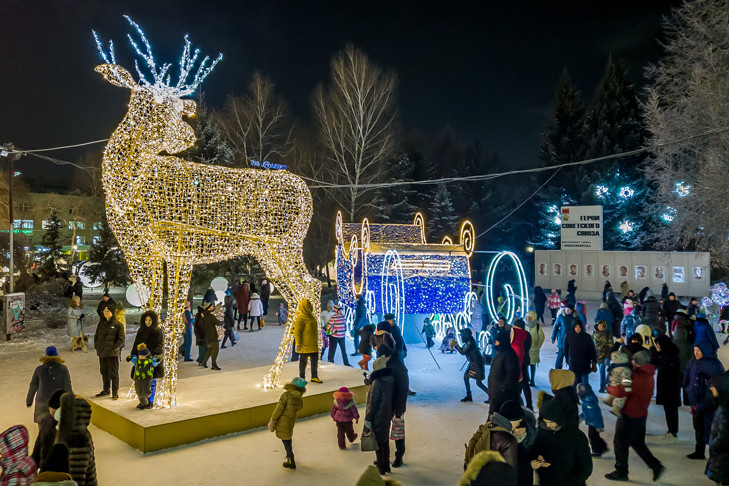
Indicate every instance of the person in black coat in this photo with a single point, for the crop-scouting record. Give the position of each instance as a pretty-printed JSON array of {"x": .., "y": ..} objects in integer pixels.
[
  {"x": 670, "y": 306},
  {"x": 52, "y": 375},
  {"x": 539, "y": 301},
  {"x": 379, "y": 409},
  {"x": 78, "y": 288},
  {"x": 364, "y": 348},
  {"x": 616, "y": 308},
  {"x": 152, "y": 336},
  {"x": 653, "y": 315},
  {"x": 668, "y": 381},
  {"x": 198, "y": 327},
  {"x": 504, "y": 375},
  {"x": 717, "y": 467},
  {"x": 400, "y": 396},
  {"x": 47, "y": 429},
  {"x": 475, "y": 369},
  {"x": 106, "y": 301},
  {"x": 580, "y": 353}
]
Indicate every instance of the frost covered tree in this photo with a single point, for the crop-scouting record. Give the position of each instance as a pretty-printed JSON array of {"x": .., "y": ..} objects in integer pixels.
[
  {"x": 443, "y": 218},
  {"x": 355, "y": 117},
  {"x": 211, "y": 146},
  {"x": 689, "y": 96},
  {"x": 258, "y": 125},
  {"x": 398, "y": 202}
]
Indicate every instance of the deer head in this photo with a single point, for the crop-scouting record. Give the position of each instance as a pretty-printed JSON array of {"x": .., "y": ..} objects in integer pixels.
[{"x": 156, "y": 109}]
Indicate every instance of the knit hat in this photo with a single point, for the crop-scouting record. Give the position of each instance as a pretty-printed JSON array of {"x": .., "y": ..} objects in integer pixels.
[
  {"x": 51, "y": 351},
  {"x": 300, "y": 382},
  {"x": 389, "y": 316},
  {"x": 511, "y": 410},
  {"x": 142, "y": 350},
  {"x": 503, "y": 337},
  {"x": 519, "y": 323},
  {"x": 344, "y": 389},
  {"x": 700, "y": 315}
]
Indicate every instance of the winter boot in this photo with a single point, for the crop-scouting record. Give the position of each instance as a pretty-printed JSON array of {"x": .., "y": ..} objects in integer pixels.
[
  {"x": 397, "y": 462},
  {"x": 697, "y": 454},
  {"x": 290, "y": 464},
  {"x": 467, "y": 398}
]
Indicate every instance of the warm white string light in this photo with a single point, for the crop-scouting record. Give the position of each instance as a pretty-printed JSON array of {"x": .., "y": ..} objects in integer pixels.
[{"x": 168, "y": 213}]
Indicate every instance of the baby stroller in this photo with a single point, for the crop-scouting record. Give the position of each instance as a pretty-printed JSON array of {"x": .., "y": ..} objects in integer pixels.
[{"x": 445, "y": 344}]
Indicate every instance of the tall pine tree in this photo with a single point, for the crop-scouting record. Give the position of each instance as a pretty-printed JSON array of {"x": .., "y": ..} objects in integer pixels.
[
  {"x": 111, "y": 267},
  {"x": 398, "y": 202},
  {"x": 443, "y": 218}
]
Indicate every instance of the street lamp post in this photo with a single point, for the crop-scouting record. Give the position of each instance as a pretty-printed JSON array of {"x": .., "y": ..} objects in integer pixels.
[{"x": 9, "y": 153}]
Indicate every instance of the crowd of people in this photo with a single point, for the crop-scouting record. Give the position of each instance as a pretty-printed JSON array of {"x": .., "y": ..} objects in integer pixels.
[{"x": 637, "y": 344}]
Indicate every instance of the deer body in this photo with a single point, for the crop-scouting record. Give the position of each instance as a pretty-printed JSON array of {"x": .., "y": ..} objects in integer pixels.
[{"x": 169, "y": 214}]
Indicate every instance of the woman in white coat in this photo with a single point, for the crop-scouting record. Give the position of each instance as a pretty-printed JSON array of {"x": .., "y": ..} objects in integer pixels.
[{"x": 255, "y": 310}]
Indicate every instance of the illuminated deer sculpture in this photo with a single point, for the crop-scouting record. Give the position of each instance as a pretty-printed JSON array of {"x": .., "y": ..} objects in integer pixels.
[{"x": 169, "y": 214}]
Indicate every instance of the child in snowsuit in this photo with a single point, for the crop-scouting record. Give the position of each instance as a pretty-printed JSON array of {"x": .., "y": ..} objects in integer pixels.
[
  {"x": 619, "y": 373},
  {"x": 17, "y": 467},
  {"x": 282, "y": 314},
  {"x": 428, "y": 332},
  {"x": 284, "y": 416},
  {"x": 445, "y": 344},
  {"x": 344, "y": 411},
  {"x": 144, "y": 365}
]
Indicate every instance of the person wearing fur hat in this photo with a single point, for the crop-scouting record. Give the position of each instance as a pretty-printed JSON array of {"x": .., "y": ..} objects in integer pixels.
[
  {"x": 504, "y": 374},
  {"x": 475, "y": 370},
  {"x": 17, "y": 467},
  {"x": 344, "y": 412},
  {"x": 73, "y": 432},
  {"x": 561, "y": 454},
  {"x": 50, "y": 376},
  {"x": 284, "y": 416},
  {"x": 631, "y": 425},
  {"x": 306, "y": 339},
  {"x": 380, "y": 400},
  {"x": 696, "y": 384},
  {"x": 488, "y": 468},
  {"x": 143, "y": 367},
  {"x": 153, "y": 338},
  {"x": 108, "y": 342},
  {"x": 537, "y": 334},
  {"x": 564, "y": 324}
]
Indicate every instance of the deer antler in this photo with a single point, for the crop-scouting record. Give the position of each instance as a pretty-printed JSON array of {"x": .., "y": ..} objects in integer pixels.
[{"x": 160, "y": 76}]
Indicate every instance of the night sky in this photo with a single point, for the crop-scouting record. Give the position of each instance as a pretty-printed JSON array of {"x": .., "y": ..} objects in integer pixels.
[{"x": 488, "y": 70}]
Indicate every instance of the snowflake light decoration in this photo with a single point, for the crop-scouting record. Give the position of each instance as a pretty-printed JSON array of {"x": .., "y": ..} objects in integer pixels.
[
  {"x": 169, "y": 214},
  {"x": 552, "y": 209},
  {"x": 626, "y": 226},
  {"x": 669, "y": 215},
  {"x": 626, "y": 192},
  {"x": 682, "y": 189},
  {"x": 601, "y": 192}
]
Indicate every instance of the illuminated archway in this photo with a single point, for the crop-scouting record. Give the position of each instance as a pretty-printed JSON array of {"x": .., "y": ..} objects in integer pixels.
[{"x": 510, "y": 296}]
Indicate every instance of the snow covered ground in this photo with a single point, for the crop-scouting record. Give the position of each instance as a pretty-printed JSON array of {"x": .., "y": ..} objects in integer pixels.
[{"x": 437, "y": 424}]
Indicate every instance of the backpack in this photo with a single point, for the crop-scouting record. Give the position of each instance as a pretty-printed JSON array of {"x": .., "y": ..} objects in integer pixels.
[{"x": 481, "y": 441}]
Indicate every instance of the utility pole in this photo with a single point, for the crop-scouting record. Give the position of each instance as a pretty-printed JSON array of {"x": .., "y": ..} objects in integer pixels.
[{"x": 9, "y": 147}]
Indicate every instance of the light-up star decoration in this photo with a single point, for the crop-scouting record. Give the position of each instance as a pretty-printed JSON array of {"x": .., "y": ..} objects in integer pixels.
[
  {"x": 626, "y": 192},
  {"x": 601, "y": 192},
  {"x": 169, "y": 214},
  {"x": 682, "y": 189},
  {"x": 669, "y": 215},
  {"x": 626, "y": 226}
]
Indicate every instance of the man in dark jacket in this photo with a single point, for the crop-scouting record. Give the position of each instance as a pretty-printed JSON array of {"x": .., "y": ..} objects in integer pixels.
[
  {"x": 394, "y": 331},
  {"x": 653, "y": 315},
  {"x": 108, "y": 341},
  {"x": 380, "y": 399},
  {"x": 563, "y": 324},
  {"x": 475, "y": 369},
  {"x": 504, "y": 375},
  {"x": 198, "y": 327},
  {"x": 670, "y": 306},
  {"x": 696, "y": 384},
  {"x": 630, "y": 428},
  {"x": 580, "y": 352},
  {"x": 210, "y": 326},
  {"x": 360, "y": 320},
  {"x": 265, "y": 294},
  {"x": 106, "y": 301}
]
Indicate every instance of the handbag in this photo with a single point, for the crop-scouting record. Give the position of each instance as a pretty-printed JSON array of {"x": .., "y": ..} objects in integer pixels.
[
  {"x": 368, "y": 443},
  {"x": 263, "y": 322},
  {"x": 236, "y": 336},
  {"x": 397, "y": 431}
]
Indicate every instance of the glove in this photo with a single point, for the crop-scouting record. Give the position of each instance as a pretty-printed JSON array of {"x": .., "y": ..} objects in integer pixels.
[
  {"x": 368, "y": 424},
  {"x": 271, "y": 425},
  {"x": 134, "y": 360},
  {"x": 154, "y": 361}
]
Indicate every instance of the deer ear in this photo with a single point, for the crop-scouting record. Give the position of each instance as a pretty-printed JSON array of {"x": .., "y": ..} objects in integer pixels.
[{"x": 117, "y": 75}]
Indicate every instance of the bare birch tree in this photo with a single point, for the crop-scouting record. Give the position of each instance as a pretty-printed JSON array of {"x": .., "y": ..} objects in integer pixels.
[
  {"x": 689, "y": 96},
  {"x": 257, "y": 125},
  {"x": 356, "y": 118},
  {"x": 88, "y": 179}
]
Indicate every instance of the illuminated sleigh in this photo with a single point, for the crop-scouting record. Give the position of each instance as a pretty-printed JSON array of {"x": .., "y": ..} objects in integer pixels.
[{"x": 397, "y": 271}]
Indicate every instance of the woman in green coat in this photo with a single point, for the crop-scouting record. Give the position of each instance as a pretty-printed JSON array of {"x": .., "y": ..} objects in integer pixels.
[
  {"x": 535, "y": 330},
  {"x": 284, "y": 416}
]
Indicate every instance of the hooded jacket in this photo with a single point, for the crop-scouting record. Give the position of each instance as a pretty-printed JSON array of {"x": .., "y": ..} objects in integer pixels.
[
  {"x": 603, "y": 341},
  {"x": 671, "y": 306},
  {"x": 605, "y": 314},
  {"x": 401, "y": 386},
  {"x": 653, "y": 315},
  {"x": 717, "y": 467},
  {"x": 502, "y": 440},
  {"x": 380, "y": 399},
  {"x": 640, "y": 394},
  {"x": 487, "y": 467},
  {"x": 255, "y": 306},
  {"x": 154, "y": 339},
  {"x": 473, "y": 354},
  {"x": 699, "y": 372},
  {"x": 616, "y": 309},
  {"x": 571, "y": 290},
  {"x": 630, "y": 322},
  {"x": 73, "y": 432},
  {"x": 17, "y": 467},
  {"x": 284, "y": 416},
  {"x": 360, "y": 314},
  {"x": 344, "y": 408},
  {"x": 579, "y": 351},
  {"x": 539, "y": 300},
  {"x": 563, "y": 324},
  {"x": 365, "y": 335},
  {"x": 668, "y": 378},
  {"x": 563, "y": 387},
  {"x": 198, "y": 327},
  {"x": 537, "y": 335},
  {"x": 306, "y": 328},
  {"x": 566, "y": 449},
  {"x": 703, "y": 332},
  {"x": 505, "y": 370},
  {"x": 521, "y": 341},
  {"x": 52, "y": 375}
]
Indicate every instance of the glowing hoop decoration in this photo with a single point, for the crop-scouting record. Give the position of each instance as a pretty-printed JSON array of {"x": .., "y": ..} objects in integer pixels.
[
  {"x": 393, "y": 286},
  {"x": 468, "y": 239},
  {"x": 511, "y": 298},
  {"x": 447, "y": 241},
  {"x": 462, "y": 320},
  {"x": 420, "y": 221}
]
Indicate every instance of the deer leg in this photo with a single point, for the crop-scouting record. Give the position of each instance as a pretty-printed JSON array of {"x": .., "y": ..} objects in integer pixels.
[{"x": 179, "y": 273}]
